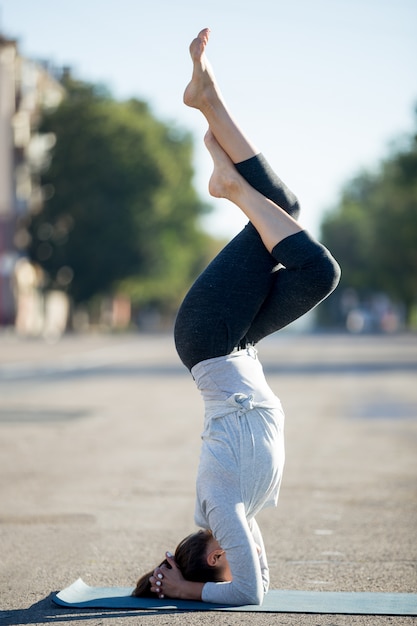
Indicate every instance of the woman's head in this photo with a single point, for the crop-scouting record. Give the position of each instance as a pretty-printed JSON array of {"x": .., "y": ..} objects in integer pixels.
[{"x": 199, "y": 558}]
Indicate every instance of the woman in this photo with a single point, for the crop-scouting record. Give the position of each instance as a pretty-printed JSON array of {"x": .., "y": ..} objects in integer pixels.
[{"x": 267, "y": 276}]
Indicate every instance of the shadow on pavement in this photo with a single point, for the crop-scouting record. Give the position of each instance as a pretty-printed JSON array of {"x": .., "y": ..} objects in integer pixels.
[{"x": 46, "y": 612}]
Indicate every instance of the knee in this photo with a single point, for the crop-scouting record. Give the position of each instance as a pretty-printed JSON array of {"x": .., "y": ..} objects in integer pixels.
[{"x": 329, "y": 271}]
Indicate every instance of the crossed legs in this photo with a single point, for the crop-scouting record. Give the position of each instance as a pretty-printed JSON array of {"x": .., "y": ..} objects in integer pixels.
[{"x": 242, "y": 297}]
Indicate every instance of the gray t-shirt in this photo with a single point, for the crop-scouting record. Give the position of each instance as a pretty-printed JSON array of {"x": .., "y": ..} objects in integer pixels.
[{"x": 240, "y": 470}]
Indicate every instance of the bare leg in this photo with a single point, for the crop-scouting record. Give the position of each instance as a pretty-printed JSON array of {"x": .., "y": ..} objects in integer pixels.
[
  {"x": 272, "y": 223},
  {"x": 228, "y": 145},
  {"x": 239, "y": 298},
  {"x": 204, "y": 94}
]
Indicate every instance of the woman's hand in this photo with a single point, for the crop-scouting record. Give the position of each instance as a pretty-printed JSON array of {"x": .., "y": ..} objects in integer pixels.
[{"x": 169, "y": 582}]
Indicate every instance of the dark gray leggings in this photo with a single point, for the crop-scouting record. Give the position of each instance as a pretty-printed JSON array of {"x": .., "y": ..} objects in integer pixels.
[{"x": 241, "y": 297}]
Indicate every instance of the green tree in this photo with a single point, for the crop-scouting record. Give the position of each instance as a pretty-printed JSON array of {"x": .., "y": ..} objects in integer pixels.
[
  {"x": 373, "y": 230},
  {"x": 120, "y": 211}
]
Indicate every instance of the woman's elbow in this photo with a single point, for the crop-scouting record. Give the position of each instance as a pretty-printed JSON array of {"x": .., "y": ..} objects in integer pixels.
[{"x": 255, "y": 596}]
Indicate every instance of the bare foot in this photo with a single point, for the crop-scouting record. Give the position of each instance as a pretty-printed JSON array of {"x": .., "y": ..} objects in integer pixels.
[
  {"x": 202, "y": 89},
  {"x": 225, "y": 181}
]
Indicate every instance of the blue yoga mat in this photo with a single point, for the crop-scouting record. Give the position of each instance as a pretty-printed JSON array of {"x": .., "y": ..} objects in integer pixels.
[{"x": 80, "y": 595}]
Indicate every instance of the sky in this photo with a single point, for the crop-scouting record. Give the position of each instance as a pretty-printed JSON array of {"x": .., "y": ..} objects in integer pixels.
[{"x": 322, "y": 88}]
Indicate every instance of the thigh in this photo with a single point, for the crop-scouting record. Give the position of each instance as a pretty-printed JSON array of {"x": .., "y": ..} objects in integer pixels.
[{"x": 221, "y": 305}]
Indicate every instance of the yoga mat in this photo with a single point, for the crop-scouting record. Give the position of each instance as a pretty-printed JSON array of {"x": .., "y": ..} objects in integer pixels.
[{"x": 80, "y": 595}]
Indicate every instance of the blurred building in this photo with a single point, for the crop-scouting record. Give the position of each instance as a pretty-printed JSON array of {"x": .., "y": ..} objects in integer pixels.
[{"x": 26, "y": 89}]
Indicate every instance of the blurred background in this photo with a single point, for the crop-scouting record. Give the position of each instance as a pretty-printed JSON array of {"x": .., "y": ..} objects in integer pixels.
[{"x": 105, "y": 218}]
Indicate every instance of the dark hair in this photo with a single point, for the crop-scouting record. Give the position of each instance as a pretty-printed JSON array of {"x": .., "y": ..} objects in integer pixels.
[{"x": 190, "y": 556}]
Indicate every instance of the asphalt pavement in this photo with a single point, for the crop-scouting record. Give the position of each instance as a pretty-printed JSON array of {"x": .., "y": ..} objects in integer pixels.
[{"x": 99, "y": 445}]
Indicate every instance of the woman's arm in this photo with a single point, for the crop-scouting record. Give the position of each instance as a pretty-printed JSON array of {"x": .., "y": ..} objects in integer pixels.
[
  {"x": 256, "y": 533},
  {"x": 232, "y": 531}
]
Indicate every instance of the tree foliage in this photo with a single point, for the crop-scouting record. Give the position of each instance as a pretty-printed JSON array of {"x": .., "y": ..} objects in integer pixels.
[
  {"x": 373, "y": 229},
  {"x": 120, "y": 210}
]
